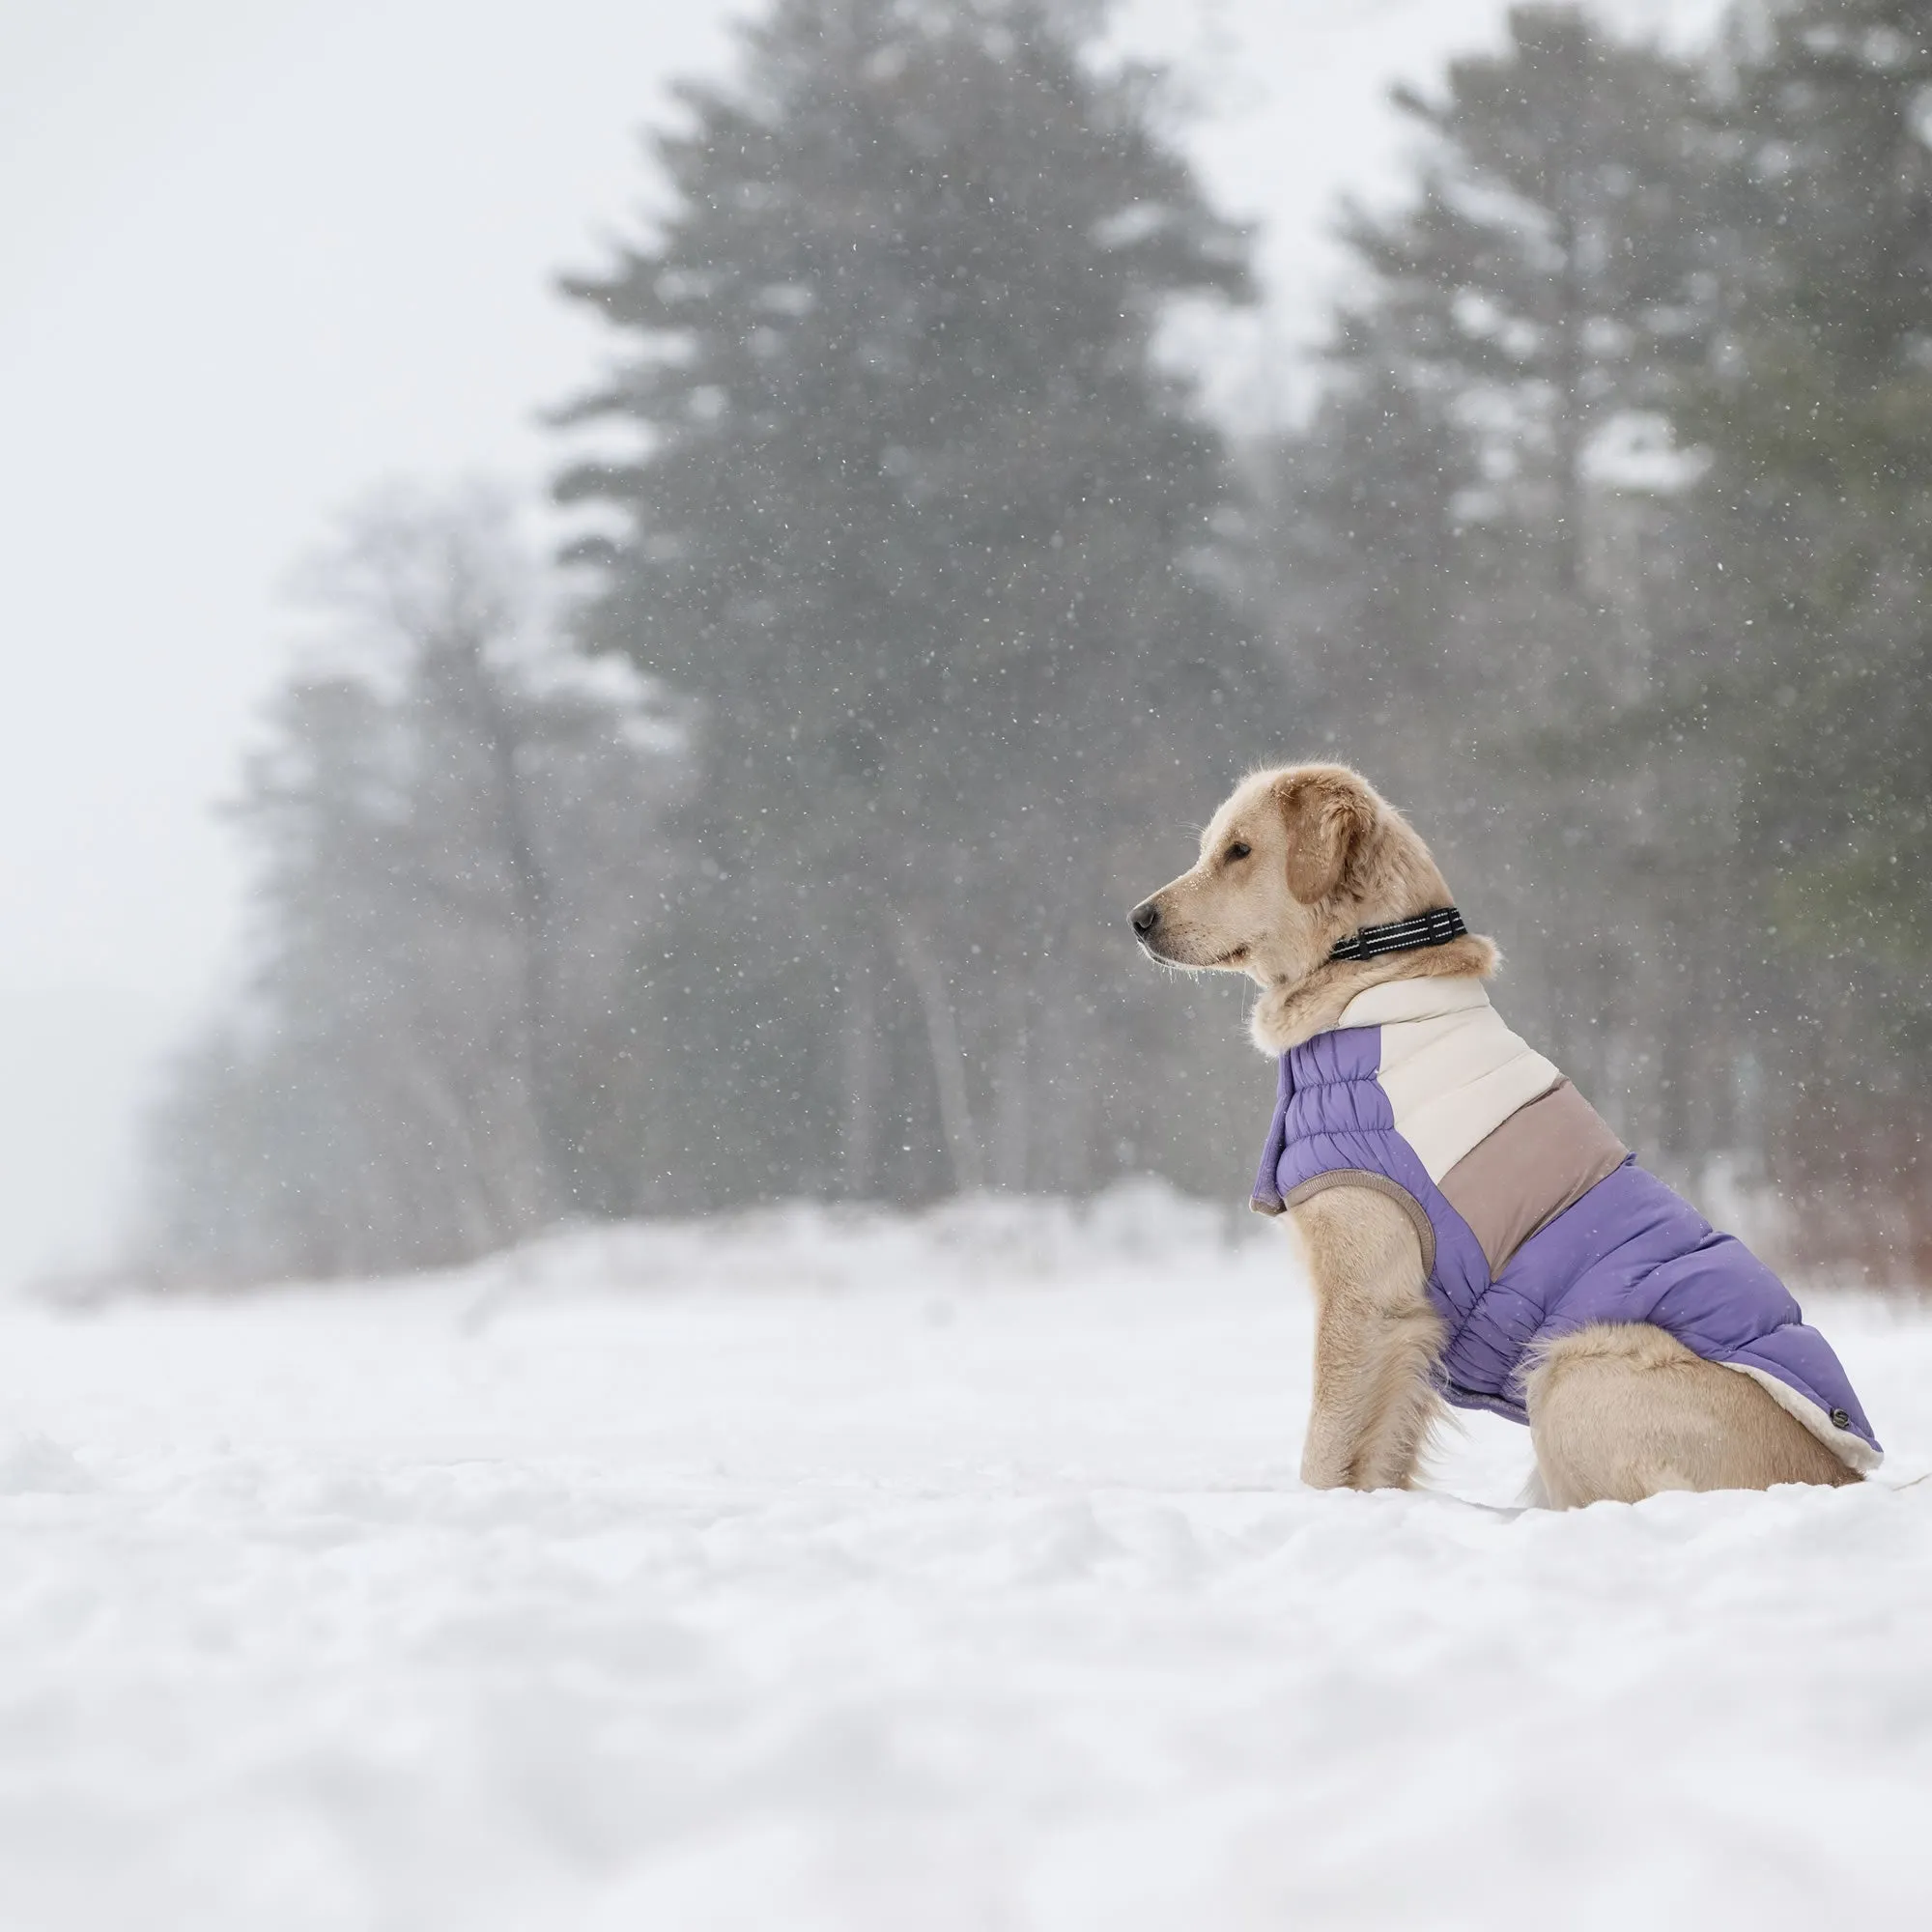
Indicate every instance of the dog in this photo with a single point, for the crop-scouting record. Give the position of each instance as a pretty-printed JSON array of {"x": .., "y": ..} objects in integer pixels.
[{"x": 1474, "y": 1233}]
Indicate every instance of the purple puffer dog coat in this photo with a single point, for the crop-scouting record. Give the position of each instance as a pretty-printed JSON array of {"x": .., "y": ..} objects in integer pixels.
[{"x": 1533, "y": 1218}]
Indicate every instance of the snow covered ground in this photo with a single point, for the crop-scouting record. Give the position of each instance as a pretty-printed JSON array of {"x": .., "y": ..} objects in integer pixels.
[{"x": 915, "y": 1575}]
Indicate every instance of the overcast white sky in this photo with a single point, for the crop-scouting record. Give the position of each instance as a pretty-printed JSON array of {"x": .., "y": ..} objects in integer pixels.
[{"x": 256, "y": 255}]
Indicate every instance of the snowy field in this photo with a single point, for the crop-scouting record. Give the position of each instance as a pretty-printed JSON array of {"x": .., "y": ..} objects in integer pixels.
[{"x": 919, "y": 1577}]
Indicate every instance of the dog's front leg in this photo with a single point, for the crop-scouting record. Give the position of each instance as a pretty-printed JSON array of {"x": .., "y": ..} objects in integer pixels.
[{"x": 1375, "y": 1339}]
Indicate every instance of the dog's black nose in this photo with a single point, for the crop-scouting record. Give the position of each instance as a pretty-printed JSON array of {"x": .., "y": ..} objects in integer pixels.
[{"x": 1145, "y": 918}]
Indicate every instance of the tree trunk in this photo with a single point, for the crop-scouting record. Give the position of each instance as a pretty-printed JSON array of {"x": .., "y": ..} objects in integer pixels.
[
  {"x": 860, "y": 1139},
  {"x": 1572, "y": 426},
  {"x": 532, "y": 911},
  {"x": 948, "y": 1066},
  {"x": 1012, "y": 1122}
]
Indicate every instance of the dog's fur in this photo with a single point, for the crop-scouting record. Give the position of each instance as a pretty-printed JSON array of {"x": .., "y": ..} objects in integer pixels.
[{"x": 1295, "y": 859}]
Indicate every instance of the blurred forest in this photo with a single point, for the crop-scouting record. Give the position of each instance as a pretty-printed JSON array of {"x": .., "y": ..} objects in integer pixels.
[{"x": 931, "y": 614}]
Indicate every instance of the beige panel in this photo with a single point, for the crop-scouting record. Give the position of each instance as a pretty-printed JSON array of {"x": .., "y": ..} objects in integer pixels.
[{"x": 1544, "y": 1158}]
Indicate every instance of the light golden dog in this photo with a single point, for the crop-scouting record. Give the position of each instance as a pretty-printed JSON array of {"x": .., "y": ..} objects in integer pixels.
[{"x": 1296, "y": 859}]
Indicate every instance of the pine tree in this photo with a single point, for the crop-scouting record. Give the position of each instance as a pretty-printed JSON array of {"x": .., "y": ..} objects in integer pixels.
[
  {"x": 1550, "y": 272},
  {"x": 1548, "y": 287},
  {"x": 1819, "y": 418},
  {"x": 1365, "y": 543},
  {"x": 920, "y": 523},
  {"x": 1819, "y": 508}
]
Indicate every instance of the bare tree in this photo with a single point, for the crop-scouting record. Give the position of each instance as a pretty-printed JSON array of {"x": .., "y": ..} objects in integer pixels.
[{"x": 457, "y": 836}]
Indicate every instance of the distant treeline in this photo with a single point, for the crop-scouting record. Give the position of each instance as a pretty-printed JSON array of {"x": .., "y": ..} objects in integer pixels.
[{"x": 930, "y": 616}]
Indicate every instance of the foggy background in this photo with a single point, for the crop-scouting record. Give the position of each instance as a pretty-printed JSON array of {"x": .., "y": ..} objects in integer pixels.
[
  {"x": 595, "y": 668},
  {"x": 262, "y": 260}
]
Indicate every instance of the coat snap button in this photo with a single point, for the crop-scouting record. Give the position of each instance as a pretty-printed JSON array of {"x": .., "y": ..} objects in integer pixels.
[{"x": 1839, "y": 1419}]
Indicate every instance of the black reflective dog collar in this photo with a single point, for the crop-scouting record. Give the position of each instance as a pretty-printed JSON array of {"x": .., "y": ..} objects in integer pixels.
[{"x": 1401, "y": 935}]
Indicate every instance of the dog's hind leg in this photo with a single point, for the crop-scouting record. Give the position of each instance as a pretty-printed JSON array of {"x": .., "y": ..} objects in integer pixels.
[{"x": 1620, "y": 1411}]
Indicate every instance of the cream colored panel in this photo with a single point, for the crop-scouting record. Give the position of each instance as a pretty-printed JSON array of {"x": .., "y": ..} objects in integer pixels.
[
  {"x": 1443, "y": 1130},
  {"x": 1396, "y": 1000}
]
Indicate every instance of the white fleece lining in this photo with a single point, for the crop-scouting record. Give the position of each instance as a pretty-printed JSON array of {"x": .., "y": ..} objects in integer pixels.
[{"x": 1850, "y": 1449}]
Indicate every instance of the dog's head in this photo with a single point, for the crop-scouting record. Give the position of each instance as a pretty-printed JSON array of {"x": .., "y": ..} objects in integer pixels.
[{"x": 1295, "y": 859}]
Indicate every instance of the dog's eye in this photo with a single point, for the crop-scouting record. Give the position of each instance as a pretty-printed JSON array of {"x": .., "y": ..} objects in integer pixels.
[{"x": 1236, "y": 851}]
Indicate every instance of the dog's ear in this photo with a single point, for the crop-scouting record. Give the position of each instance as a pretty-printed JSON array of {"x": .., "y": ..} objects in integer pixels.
[{"x": 1328, "y": 816}]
